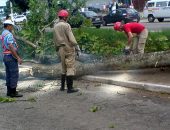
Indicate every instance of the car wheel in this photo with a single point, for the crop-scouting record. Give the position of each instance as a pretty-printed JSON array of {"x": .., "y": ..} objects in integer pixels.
[
  {"x": 151, "y": 18},
  {"x": 160, "y": 19},
  {"x": 138, "y": 19},
  {"x": 104, "y": 23},
  {"x": 98, "y": 26}
]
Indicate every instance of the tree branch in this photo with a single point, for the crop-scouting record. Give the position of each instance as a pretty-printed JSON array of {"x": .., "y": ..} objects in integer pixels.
[
  {"x": 47, "y": 25},
  {"x": 26, "y": 41}
]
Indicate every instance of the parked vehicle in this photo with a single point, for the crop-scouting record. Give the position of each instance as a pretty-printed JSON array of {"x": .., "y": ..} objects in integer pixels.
[
  {"x": 96, "y": 10},
  {"x": 122, "y": 14},
  {"x": 26, "y": 13},
  {"x": 2, "y": 18},
  {"x": 157, "y": 9},
  {"x": 96, "y": 19},
  {"x": 20, "y": 18}
]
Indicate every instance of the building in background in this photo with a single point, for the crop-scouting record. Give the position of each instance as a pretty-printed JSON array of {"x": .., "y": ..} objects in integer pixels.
[
  {"x": 2, "y": 9},
  {"x": 2, "y": 6},
  {"x": 100, "y": 4},
  {"x": 2, "y": 13}
]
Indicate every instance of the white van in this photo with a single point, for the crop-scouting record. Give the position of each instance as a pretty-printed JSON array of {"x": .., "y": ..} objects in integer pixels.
[{"x": 157, "y": 9}]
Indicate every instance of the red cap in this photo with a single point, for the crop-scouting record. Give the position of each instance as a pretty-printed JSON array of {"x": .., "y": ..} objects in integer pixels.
[
  {"x": 63, "y": 13},
  {"x": 117, "y": 26}
]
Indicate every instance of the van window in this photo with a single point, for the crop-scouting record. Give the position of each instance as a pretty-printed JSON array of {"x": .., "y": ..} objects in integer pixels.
[
  {"x": 169, "y": 4},
  {"x": 161, "y": 4},
  {"x": 150, "y": 4}
]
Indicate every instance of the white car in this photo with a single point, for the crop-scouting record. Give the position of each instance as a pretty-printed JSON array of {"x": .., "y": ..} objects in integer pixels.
[
  {"x": 20, "y": 18},
  {"x": 157, "y": 9}
]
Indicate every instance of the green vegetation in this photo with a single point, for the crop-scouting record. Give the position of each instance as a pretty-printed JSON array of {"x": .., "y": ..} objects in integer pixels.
[
  {"x": 94, "y": 108},
  {"x": 104, "y": 42},
  {"x": 101, "y": 42},
  {"x": 158, "y": 41},
  {"x": 111, "y": 126},
  {"x": 42, "y": 15},
  {"x": 107, "y": 42},
  {"x": 9, "y": 100},
  {"x": 6, "y": 100}
]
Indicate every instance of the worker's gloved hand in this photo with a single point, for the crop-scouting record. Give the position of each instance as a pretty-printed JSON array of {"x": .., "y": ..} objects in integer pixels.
[
  {"x": 127, "y": 50},
  {"x": 78, "y": 51}
]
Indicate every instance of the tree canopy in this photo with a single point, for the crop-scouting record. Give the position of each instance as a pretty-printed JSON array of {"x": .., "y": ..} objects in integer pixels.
[{"x": 22, "y": 4}]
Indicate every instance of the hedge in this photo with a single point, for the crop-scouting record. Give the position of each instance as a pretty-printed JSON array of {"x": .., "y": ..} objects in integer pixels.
[{"x": 102, "y": 42}]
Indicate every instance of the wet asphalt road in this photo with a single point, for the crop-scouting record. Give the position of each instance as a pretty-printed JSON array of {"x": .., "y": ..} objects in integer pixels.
[
  {"x": 155, "y": 26},
  {"x": 115, "y": 108}
]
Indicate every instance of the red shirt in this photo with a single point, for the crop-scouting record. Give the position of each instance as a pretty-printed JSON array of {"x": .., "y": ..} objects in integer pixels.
[{"x": 133, "y": 28}]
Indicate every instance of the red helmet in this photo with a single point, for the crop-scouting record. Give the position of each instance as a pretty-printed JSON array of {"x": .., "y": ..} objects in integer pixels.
[
  {"x": 63, "y": 13},
  {"x": 117, "y": 26}
]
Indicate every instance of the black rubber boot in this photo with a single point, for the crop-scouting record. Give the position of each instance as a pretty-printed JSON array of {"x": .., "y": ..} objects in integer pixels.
[
  {"x": 14, "y": 93},
  {"x": 8, "y": 91},
  {"x": 63, "y": 78},
  {"x": 70, "y": 88}
]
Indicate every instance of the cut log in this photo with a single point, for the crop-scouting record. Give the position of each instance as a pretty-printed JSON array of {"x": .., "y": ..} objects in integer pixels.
[
  {"x": 138, "y": 61},
  {"x": 54, "y": 71}
]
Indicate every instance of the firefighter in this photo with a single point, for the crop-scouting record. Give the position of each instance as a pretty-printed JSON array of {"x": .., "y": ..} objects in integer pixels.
[
  {"x": 137, "y": 35},
  {"x": 11, "y": 59},
  {"x": 67, "y": 47}
]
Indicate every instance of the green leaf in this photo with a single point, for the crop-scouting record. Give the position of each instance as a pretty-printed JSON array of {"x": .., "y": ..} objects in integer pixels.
[
  {"x": 94, "y": 108},
  {"x": 5, "y": 99},
  {"x": 111, "y": 126}
]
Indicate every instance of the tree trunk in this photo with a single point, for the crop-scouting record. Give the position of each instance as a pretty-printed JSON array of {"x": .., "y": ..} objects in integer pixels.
[{"x": 138, "y": 61}]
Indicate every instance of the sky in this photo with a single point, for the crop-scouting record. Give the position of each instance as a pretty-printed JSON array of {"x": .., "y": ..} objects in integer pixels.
[{"x": 3, "y": 2}]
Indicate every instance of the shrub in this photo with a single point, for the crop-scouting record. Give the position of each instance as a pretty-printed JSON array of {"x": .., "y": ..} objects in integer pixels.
[
  {"x": 76, "y": 21},
  {"x": 103, "y": 42},
  {"x": 158, "y": 41}
]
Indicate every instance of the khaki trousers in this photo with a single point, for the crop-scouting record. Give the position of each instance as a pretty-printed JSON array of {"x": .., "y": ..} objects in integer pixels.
[
  {"x": 139, "y": 42},
  {"x": 67, "y": 56}
]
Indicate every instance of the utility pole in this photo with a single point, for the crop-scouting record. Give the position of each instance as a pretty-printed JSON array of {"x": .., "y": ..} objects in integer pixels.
[
  {"x": 12, "y": 14},
  {"x": 11, "y": 7}
]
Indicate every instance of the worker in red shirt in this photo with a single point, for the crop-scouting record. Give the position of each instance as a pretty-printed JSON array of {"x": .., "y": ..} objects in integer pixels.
[{"x": 137, "y": 35}]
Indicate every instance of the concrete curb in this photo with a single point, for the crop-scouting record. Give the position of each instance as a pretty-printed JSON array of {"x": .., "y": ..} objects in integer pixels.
[
  {"x": 130, "y": 84},
  {"x": 135, "y": 71}
]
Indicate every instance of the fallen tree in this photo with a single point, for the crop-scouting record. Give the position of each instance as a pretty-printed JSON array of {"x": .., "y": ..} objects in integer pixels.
[
  {"x": 26, "y": 41},
  {"x": 138, "y": 61}
]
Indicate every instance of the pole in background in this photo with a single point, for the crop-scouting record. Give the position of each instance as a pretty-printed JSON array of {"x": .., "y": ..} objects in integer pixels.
[{"x": 12, "y": 14}]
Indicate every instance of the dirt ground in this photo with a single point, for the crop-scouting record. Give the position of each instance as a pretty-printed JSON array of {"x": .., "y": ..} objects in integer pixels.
[{"x": 96, "y": 107}]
